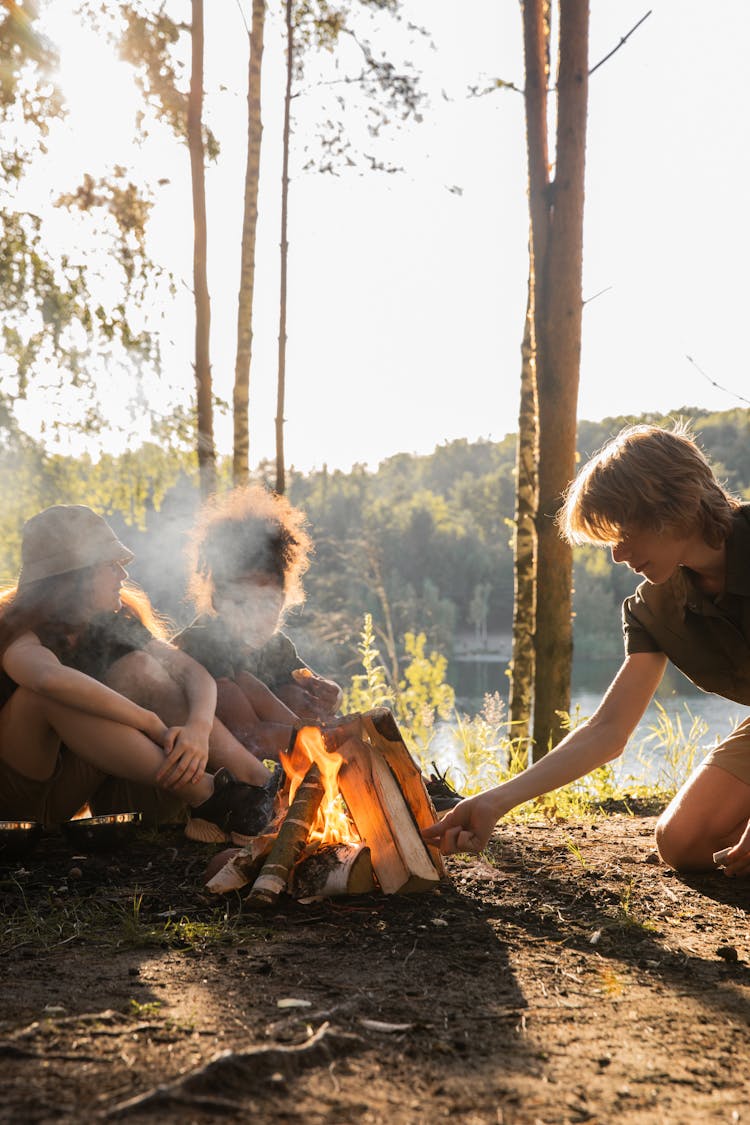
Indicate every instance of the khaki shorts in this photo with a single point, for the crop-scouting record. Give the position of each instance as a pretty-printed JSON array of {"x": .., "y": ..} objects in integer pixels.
[
  {"x": 76, "y": 783},
  {"x": 50, "y": 802},
  {"x": 733, "y": 754},
  {"x": 156, "y": 806}
]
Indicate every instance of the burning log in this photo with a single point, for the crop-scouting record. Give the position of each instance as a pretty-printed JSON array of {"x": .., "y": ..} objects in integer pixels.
[
  {"x": 400, "y": 858},
  {"x": 290, "y": 841},
  {"x": 334, "y": 869}
]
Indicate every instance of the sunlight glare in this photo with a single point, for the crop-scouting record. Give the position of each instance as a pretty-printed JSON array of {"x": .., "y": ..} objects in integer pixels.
[{"x": 99, "y": 89}]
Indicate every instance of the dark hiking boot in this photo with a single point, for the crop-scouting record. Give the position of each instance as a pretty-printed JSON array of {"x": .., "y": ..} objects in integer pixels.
[
  {"x": 235, "y": 811},
  {"x": 442, "y": 794}
]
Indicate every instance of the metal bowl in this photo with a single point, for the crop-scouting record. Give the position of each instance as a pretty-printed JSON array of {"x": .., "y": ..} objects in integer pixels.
[
  {"x": 17, "y": 837},
  {"x": 102, "y": 832}
]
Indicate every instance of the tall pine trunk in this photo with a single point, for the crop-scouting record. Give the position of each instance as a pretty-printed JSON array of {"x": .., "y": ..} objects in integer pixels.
[
  {"x": 204, "y": 396},
  {"x": 284, "y": 245},
  {"x": 524, "y": 541},
  {"x": 558, "y": 315},
  {"x": 241, "y": 396},
  {"x": 536, "y": 35}
]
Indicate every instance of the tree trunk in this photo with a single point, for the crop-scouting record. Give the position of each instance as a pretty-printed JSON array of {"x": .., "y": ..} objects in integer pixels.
[
  {"x": 281, "y": 385},
  {"x": 536, "y": 34},
  {"x": 204, "y": 397},
  {"x": 558, "y": 312},
  {"x": 524, "y": 539},
  {"x": 241, "y": 398}
]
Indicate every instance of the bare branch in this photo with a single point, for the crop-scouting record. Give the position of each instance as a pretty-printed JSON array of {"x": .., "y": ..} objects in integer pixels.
[
  {"x": 622, "y": 42},
  {"x": 713, "y": 383}
]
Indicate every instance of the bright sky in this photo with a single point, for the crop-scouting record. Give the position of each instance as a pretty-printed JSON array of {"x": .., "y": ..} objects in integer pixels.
[{"x": 407, "y": 292}]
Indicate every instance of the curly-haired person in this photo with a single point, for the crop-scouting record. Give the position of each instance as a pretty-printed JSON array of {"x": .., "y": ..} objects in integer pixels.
[
  {"x": 651, "y": 496},
  {"x": 249, "y": 551}
]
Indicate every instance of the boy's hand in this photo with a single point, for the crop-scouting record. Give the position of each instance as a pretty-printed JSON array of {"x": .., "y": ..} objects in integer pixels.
[
  {"x": 736, "y": 860},
  {"x": 468, "y": 826}
]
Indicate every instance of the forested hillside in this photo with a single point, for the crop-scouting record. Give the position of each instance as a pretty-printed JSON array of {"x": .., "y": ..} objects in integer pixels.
[{"x": 422, "y": 543}]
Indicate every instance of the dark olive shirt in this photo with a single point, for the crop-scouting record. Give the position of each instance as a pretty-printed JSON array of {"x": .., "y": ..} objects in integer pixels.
[
  {"x": 103, "y": 641},
  {"x": 209, "y": 642},
  {"x": 707, "y": 638}
]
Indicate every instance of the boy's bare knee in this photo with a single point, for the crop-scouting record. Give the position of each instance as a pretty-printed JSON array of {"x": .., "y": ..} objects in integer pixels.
[{"x": 680, "y": 848}]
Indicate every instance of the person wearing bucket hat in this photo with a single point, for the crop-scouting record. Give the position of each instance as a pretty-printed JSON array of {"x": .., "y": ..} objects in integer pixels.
[{"x": 91, "y": 693}]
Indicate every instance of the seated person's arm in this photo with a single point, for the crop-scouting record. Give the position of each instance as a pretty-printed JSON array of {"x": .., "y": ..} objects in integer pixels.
[
  {"x": 188, "y": 744},
  {"x": 33, "y": 666},
  {"x": 266, "y": 704},
  {"x": 261, "y": 737}
]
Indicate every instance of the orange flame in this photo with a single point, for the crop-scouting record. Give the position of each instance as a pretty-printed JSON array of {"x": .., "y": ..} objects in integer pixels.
[{"x": 332, "y": 824}]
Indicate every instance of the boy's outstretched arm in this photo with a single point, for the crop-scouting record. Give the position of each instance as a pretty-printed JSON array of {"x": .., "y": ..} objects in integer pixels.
[{"x": 602, "y": 738}]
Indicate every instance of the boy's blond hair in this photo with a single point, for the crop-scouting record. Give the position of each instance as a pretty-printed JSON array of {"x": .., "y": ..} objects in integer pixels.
[{"x": 647, "y": 479}]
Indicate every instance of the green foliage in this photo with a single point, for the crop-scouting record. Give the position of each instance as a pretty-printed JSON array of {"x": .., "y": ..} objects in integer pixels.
[
  {"x": 157, "y": 47},
  {"x": 676, "y": 747},
  {"x": 423, "y": 695},
  {"x": 57, "y": 310},
  {"x": 368, "y": 689},
  {"x": 481, "y": 750},
  {"x": 129, "y": 486}
]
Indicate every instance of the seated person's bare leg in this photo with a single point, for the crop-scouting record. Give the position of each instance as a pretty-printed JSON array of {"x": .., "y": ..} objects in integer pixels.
[
  {"x": 33, "y": 726},
  {"x": 262, "y": 739},
  {"x": 710, "y": 812},
  {"x": 266, "y": 705},
  {"x": 144, "y": 680}
]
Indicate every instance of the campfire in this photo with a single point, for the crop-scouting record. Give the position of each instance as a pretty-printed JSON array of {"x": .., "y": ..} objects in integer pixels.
[{"x": 348, "y": 819}]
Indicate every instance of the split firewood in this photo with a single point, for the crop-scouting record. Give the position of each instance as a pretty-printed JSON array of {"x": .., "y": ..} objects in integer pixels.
[
  {"x": 400, "y": 858},
  {"x": 290, "y": 841},
  {"x": 381, "y": 729},
  {"x": 423, "y": 873},
  {"x": 334, "y": 869},
  {"x": 236, "y": 867}
]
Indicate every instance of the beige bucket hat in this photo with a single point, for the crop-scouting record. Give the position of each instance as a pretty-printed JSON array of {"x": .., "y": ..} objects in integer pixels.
[{"x": 67, "y": 537}]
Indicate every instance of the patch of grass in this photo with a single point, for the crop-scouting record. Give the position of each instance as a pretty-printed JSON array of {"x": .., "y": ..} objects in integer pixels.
[
  {"x": 43, "y": 919},
  {"x": 626, "y": 918},
  {"x": 575, "y": 851},
  {"x": 144, "y": 1011}
]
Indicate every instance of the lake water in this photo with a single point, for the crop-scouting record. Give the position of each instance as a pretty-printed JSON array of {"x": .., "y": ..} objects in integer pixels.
[{"x": 471, "y": 680}]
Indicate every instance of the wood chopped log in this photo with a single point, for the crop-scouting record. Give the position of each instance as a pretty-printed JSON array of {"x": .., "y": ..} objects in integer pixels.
[
  {"x": 290, "y": 841},
  {"x": 240, "y": 866},
  {"x": 334, "y": 869},
  {"x": 381, "y": 729},
  {"x": 400, "y": 858}
]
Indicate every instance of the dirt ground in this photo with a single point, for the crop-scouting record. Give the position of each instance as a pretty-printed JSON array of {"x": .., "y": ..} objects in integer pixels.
[{"x": 566, "y": 976}]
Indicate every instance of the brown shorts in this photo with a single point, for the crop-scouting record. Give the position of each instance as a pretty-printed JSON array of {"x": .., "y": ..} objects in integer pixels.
[
  {"x": 52, "y": 801},
  {"x": 74, "y": 784},
  {"x": 733, "y": 754},
  {"x": 156, "y": 806}
]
